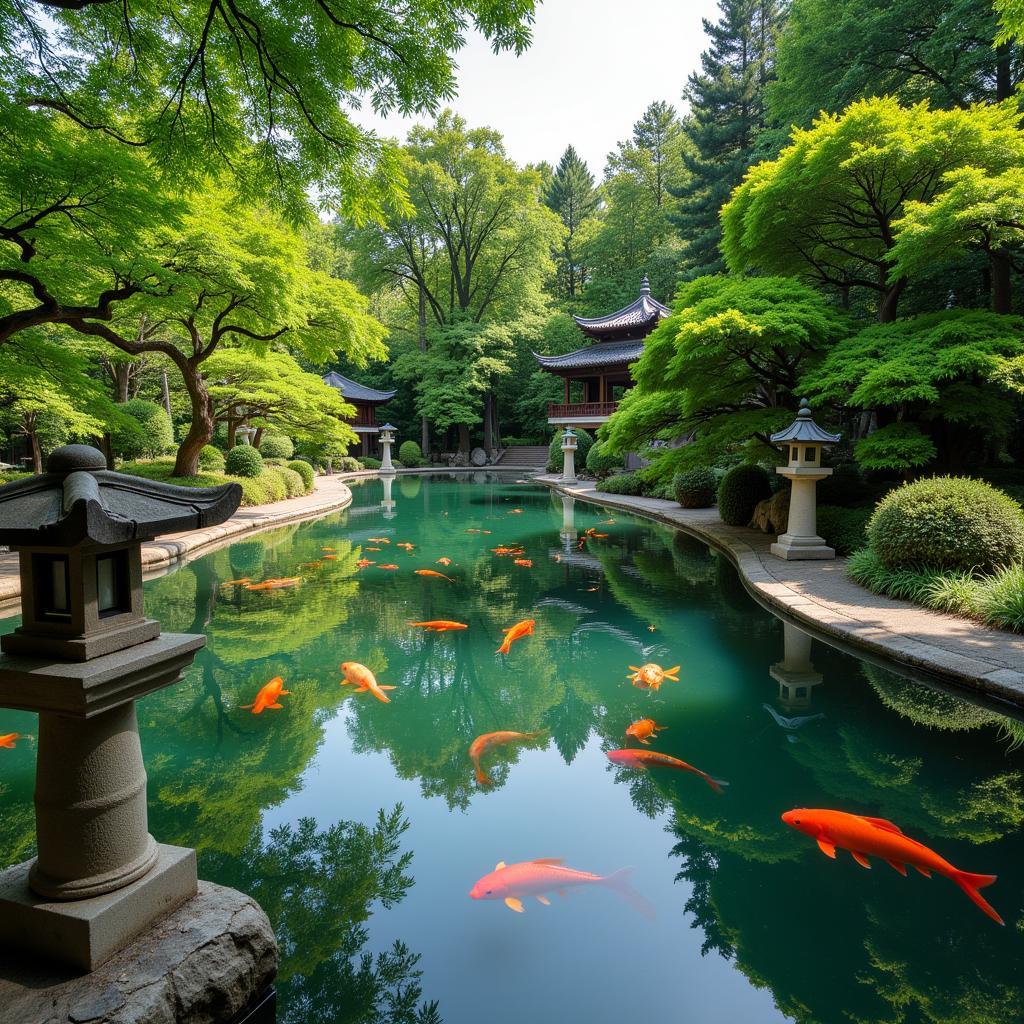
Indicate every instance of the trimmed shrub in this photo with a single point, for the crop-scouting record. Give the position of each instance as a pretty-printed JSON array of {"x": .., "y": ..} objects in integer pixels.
[
  {"x": 624, "y": 483},
  {"x": 244, "y": 460},
  {"x": 947, "y": 523},
  {"x": 410, "y": 454},
  {"x": 305, "y": 470},
  {"x": 348, "y": 464},
  {"x": 211, "y": 458},
  {"x": 600, "y": 463},
  {"x": 583, "y": 444},
  {"x": 275, "y": 462},
  {"x": 845, "y": 529},
  {"x": 695, "y": 488},
  {"x": 370, "y": 463},
  {"x": 741, "y": 489},
  {"x": 293, "y": 484},
  {"x": 277, "y": 446},
  {"x": 154, "y": 435}
]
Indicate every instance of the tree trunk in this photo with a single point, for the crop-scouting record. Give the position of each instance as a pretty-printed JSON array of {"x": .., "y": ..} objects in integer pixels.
[
  {"x": 421, "y": 331},
  {"x": 488, "y": 424},
  {"x": 37, "y": 454},
  {"x": 464, "y": 438},
  {"x": 121, "y": 373},
  {"x": 232, "y": 427},
  {"x": 108, "y": 451},
  {"x": 166, "y": 391},
  {"x": 495, "y": 423},
  {"x": 890, "y": 298},
  {"x": 1002, "y": 295},
  {"x": 258, "y": 438},
  {"x": 200, "y": 431},
  {"x": 1004, "y": 80}
]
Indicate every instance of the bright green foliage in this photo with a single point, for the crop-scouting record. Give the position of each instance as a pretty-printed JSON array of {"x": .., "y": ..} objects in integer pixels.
[
  {"x": 947, "y": 523},
  {"x": 725, "y": 365},
  {"x": 244, "y": 460},
  {"x": 584, "y": 441},
  {"x": 624, "y": 483},
  {"x": 572, "y": 195},
  {"x": 741, "y": 489},
  {"x": 294, "y": 484},
  {"x": 600, "y": 463},
  {"x": 154, "y": 436},
  {"x": 695, "y": 488},
  {"x": 410, "y": 454},
  {"x": 347, "y": 464},
  {"x": 305, "y": 471},
  {"x": 827, "y": 208},
  {"x": 276, "y": 446},
  {"x": 211, "y": 459},
  {"x": 844, "y": 529},
  {"x": 1011, "y": 20},
  {"x": 1000, "y": 600},
  {"x": 942, "y": 383},
  {"x": 727, "y": 116}
]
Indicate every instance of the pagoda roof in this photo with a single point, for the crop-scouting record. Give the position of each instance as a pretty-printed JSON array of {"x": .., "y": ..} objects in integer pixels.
[
  {"x": 804, "y": 430},
  {"x": 637, "y": 319},
  {"x": 78, "y": 499},
  {"x": 597, "y": 356},
  {"x": 355, "y": 391}
]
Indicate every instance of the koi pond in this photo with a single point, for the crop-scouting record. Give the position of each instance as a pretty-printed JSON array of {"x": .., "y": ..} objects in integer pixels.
[{"x": 362, "y": 826}]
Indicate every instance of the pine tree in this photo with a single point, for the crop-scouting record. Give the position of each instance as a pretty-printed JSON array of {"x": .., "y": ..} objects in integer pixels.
[
  {"x": 726, "y": 120},
  {"x": 572, "y": 195}
]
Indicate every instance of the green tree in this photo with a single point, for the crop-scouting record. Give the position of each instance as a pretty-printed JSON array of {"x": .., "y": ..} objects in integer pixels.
[
  {"x": 727, "y": 117},
  {"x": 572, "y": 195}
]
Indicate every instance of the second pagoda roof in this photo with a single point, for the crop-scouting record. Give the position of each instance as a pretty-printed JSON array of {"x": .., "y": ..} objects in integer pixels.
[
  {"x": 636, "y": 320},
  {"x": 600, "y": 355},
  {"x": 355, "y": 391}
]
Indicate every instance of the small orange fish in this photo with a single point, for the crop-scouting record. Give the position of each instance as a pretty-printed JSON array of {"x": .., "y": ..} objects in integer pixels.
[
  {"x": 444, "y": 561},
  {"x": 378, "y": 540},
  {"x": 558, "y": 558},
  {"x": 8, "y": 740},
  {"x": 373, "y": 549},
  {"x": 599, "y": 536},
  {"x": 286, "y": 581},
  {"x": 433, "y": 572},
  {"x": 364, "y": 680},
  {"x": 405, "y": 544},
  {"x": 642, "y": 728},
  {"x": 389, "y": 565},
  {"x": 364, "y": 562},
  {"x": 330, "y": 558},
  {"x": 526, "y": 563},
  {"x": 485, "y": 531},
  {"x": 651, "y": 676},
  {"x": 583, "y": 540},
  {"x": 862, "y": 836},
  {"x": 652, "y": 628},
  {"x": 516, "y": 632},
  {"x": 483, "y": 743},
  {"x": 237, "y": 583},
  {"x": 592, "y": 590},
  {"x": 328, "y": 549},
  {"x": 310, "y": 565},
  {"x": 268, "y": 697},
  {"x": 472, "y": 531},
  {"x": 439, "y": 625},
  {"x": 652, "y": 759},
  {"x": 514, "y": 511},
  {"x": 265, "y": 585},
  {"x": 607, "y": 522}
]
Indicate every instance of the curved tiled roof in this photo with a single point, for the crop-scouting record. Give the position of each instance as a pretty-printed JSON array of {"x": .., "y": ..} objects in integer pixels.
[
  {"x": 639, "y": 317},
  {"x": 356, "y": 392},
  {"x": 804, "y": 429},
  {"x": 601, "y": 353}
]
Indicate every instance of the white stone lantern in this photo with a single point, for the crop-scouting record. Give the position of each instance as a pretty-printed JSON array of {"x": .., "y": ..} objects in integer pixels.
[
  {"x": 245, "y": 433},
  {"x": 568, "y": 457},
  {"x": 387, "y": 439},
  {"x": 803, "y": 441}
]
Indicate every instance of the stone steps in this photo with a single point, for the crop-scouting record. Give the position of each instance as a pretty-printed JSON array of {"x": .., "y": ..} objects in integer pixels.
[{"x": 527, "y": 456}]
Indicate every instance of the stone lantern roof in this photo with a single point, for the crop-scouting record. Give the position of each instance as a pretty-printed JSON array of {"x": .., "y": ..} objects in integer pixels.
[
  {"x": 803, "y": 430},
  {"x": 78, "y": 499}
]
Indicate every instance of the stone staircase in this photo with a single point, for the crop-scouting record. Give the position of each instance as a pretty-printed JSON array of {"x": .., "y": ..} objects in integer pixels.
[{"x": 524, "y": 457}]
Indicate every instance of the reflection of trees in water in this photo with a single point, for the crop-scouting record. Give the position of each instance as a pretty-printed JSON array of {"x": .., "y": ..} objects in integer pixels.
[{"x": 926, "y": 706}]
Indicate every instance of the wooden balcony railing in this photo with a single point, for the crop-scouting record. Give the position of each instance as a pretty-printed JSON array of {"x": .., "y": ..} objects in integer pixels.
[{"x": 581, "y": 410}]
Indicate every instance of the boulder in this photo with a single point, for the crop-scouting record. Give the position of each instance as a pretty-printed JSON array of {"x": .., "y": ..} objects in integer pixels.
[
  {"x": 478, "y": 457},
  {"x": 772, "y": 514}
]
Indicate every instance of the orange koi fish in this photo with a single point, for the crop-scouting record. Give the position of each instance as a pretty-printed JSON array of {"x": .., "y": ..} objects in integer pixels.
[
  {"x": 8, "y": 740},
  {"x": 472, "y": 531},
  {"x": 439, "y": 625},
  {"x": 364, "y": 562},
  {"x": 378, "y": 540},
  {"x": 405, "y": 544},
  {"x": 237, "y": 583},
  {"x": 364, "y": 680},
  {"x": 373, "y": 549},
  {"x": 651, "y": 676},
  {"x": 387, "y": 566},
  {"x": 328, "y": 549},
  {"x": 526, "y": 563},
  {"x": 483, "y": 743},
  {"x": 512, "y": 882},
  {"x": 652, "y": 759},
  {"x": 333, "y": 558},
  {"x": 265, "y": 585},
  {"x": 516, "y": 632},
  {"x": 485, "y": 531},
  {"x": 864, "y": 836},
  {"x": 444, "y": 561},
  {"x": 433, "y": 572},
  {"x": 607, "y": 522},
  {"x": 310, "y": 565},
  {"x": 285, "y": 581},
  {"x": 579, "y": 546},
  {"x": 268, "y": 697},
  {"x": 643, "y": 728},
  {"x": 514, "y": 511}
]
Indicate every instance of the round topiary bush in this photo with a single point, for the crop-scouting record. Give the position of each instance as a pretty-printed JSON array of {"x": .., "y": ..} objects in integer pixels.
[
  {"x": 695, "y": 488},
  {"x": 601, "y": 463},
  {"x": 305, "y": 470},
  {"x": 151, "y": 434},
  {"x": 624, "y": 483},
  {"x": 211, "y": 459},
  {"x": 244, "y": 460},
  {"x": 947, "y": 523},
  {"x": 583, "y": 444},
  {"x": 740, "y": 491},
  {"x": 410, "y": 454},
  {"x": 277, "y": 446}
]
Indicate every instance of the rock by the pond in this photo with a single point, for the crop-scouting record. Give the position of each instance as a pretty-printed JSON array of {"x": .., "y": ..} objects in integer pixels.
[
  {"x": 772, "y": 514},
  {"x": 478, "y": 457},
  {"x": 203, "y": 963},
  {"x": 458, "y": 459}
]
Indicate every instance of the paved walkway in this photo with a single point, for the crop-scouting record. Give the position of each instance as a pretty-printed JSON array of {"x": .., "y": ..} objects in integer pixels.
[{"x": 820, "y": 596}]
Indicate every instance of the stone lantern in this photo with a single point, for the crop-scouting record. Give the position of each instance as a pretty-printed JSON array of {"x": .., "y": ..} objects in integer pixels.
[
  {"x": 568, "y": 457},
  {"x": 795, "y": 674},
  {"x": 387, "y": 503},
  {"x": 84, "y": 653},
  {"x": 245, "y": 433},
  {"x": 803, "y": 441},
  {"x": 387, "y": 439}
]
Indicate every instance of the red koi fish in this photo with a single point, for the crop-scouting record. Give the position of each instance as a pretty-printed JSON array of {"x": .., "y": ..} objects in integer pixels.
[
  {"x": 439, "y": 625},
  {"x": 483, "y": 743},
  {"x": 526, "y": 563},
  {"x": 237, "y": 583},
  {"x": 268, "y": 697},
  {"x": 444, "y": 561},
  {"x": 405, "y": 544},
  {"x": 364, "y": 680},
  {"x": 388, "y": 565},
  {"x": 8, "y": 740},
  {"x": 652, "y": 759},
  {"x": 864, "y": 836},
  {"x": 512, "y": 882},
  {"x": 364, "y": 562},
  {"x": 433, "y": 572},
  {"x": 643, "y": 729},
  {"x": 516, "y": 632},
  {"x": 651, "y": 676}
]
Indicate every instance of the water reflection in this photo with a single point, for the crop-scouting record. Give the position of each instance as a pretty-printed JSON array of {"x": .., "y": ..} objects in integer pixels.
[{"x": 795, "y": 674}]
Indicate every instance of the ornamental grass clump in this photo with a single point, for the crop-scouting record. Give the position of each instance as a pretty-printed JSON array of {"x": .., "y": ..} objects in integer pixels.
[
  {"x": 695, "y": 488},
  {"x": 739, "y": 493},
  {"x": 1000, "y": 600},
  {"x": 947, "y": 523}
]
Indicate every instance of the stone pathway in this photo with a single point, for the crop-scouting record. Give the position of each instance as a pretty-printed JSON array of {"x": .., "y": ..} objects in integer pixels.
[{"x": 820, "y": 596}]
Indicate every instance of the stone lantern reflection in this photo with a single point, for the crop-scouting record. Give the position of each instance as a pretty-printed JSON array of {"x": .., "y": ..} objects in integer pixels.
[
  {"x": 568, "y": 457},
  {"x": 795, "y": 674},
  {"x": 387, "y": 439},
  {"x": 803, "y": 441},
  {"x": 84, "y": 653},
  {"x": 387, "y": 503},
  {"x": 567, "y": 533}
]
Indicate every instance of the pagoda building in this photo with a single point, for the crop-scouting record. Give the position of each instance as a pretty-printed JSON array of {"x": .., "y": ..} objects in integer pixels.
[
  {"x": 600, "y": 370},
  {"x": 364, "y": 423}
]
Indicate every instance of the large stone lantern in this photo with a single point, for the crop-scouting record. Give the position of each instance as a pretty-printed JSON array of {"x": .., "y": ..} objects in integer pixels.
[
  {"x": 803, "y": 441},
  {"x": 387, "y": 439},
  {"x": 84, "y": 653},
  {"x": 569, "y": 443}
]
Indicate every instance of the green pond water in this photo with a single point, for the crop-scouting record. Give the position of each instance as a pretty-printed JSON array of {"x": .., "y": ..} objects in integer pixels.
[{"x": 360, "y": 828}]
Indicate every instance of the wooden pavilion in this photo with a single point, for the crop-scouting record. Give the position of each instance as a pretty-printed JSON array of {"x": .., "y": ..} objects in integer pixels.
[
  {"x": 599, "y": 372},
  {"x": 364, "y": 423}
]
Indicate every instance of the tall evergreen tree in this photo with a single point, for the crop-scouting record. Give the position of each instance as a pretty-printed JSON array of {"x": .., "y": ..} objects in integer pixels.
[
  {"x": 727, "y": 118},
  {"x": 572, "y": 195}
]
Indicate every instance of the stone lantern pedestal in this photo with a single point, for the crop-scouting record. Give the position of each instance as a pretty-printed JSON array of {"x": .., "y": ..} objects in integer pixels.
[
  {"x": 567, "y": 533},
  {"x": 569, "y": 445},
  {"x": 387, "y": 439}
]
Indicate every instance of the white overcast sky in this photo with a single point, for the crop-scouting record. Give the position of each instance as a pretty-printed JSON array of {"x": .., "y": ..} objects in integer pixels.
[{"x": 592, "y": 69}]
